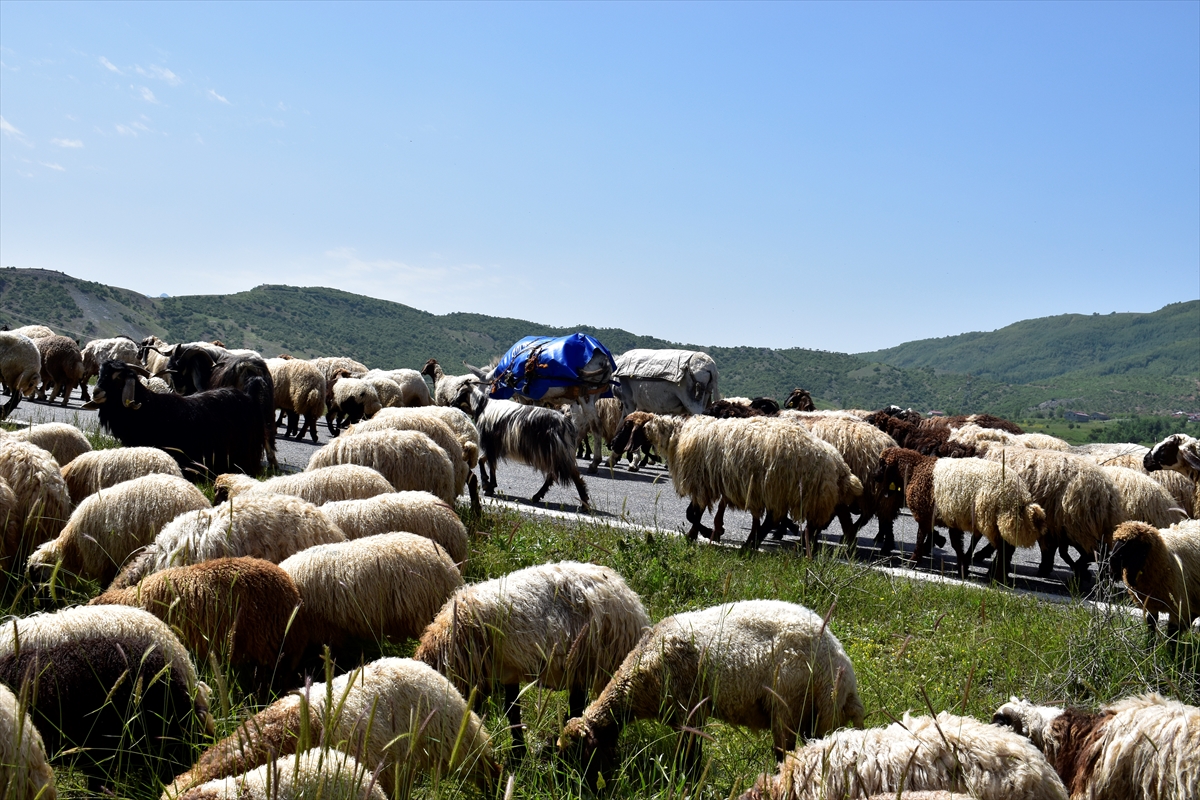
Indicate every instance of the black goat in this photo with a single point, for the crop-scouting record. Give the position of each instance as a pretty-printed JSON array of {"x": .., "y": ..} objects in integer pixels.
[{"x": 208, "y": 433}]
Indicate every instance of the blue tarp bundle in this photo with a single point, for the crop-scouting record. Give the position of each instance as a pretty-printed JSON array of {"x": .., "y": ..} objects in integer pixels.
[{"x": 534, "y": 365}]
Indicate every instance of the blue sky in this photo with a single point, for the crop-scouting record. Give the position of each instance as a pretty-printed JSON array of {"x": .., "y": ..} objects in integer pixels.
[{"x": 835, "y": 176}]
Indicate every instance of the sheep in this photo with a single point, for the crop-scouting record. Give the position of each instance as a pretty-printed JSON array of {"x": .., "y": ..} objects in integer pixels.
[
  {"x": 330, "y": 366},
  {"x": 321, "y": 486},
  {"x": 414, "y": 392},
  {"x": 1183, "y": 490},
  {"x": 236, "y": 610},
  {"x": 220, "y": 430},
  {"x": 1179, "y": 453},
  {"x": 396, "y": 715},
  {"x": 389, "y": 392},
  {"x": 562, "y": 626},
  {"x": 267, "y": 526},
  {"x": 388, "y": 586},
  {"x": 927, "y": 437},
  {"x": 299, "y": 389},
  {"x": 350, "y": 400},
  {"x": 24, "y": 772},
  {"x": 1161, "y": 570},
  {"x": 609, "y": 414},
  {"x": 109, "y": 526},
  {"x": 97, "y": 351},
  {"x": 462, "y": 427},
  {"x": 34, "y": 331},
  {"x": 64, "y": 442},
  {"x": 1144, "y": 746},
  {"x": 151, "y": 355},
  {"x": 409, "y": 460},
  {"x": 757, "y": 663},
  {"x": 20, "y": 368},
  {"x": 435, "y": 429},
  {"x": 457, "y": 391},
  {"x": 412, "y": 512},
  {"x": 800, "y": 400},
  {"x": 100, "y": 469},
  {"x": 40, "y": 501},
  {"x": 62, "y": 367},
  {"x": 947, "y": 753},
  {"x": 113, "y": 687},
  {"x": 1142, "y": 498},
  {"x": 981, "y": 438},
  {"x": 964, "y": 494},
  {"x": 319, "y": 773}
]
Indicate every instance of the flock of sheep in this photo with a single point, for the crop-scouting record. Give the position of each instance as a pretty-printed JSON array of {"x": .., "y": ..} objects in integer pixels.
[{"x": 365, "y": 545}]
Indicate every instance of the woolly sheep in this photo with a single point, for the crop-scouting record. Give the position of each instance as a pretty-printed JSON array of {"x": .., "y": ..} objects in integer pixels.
[
  {"x": 388, "y": 586},
  {"x": 64, "y": 442},
  {"x": 321, "y": 486},
  {"x": 982, "y": 438},
  {"x": 33, "y": 331},
  {"x": 946, "y": 752},
  {"x": 542, "y": 438},
  {"x": 299, "y": 390},
  {"x": 41, "y": 503},
  {"x": 464, "y": 429},
  {"x": 109, "y": 526},
  {"x": 397, "y": 715},
  {"x": 350, "y": 400},
  {"x": 414, "y": 392},
  {"x": 24, "y": 773},
  {"x": 411, "y": 512},
  {"x": 114, "y": 685},
  {"x": 237, "y": 609},
  {"x": 100, "y": 469},
  {"x": 1144, "y": 746},
  {"x": 1142, "y": 498},
  {"x": 97, "y": 351},
  {"x": 323, "y": 773},
  {"x": 266, "y": 526},
  {"x": 435, "y": 429},
  {"x": 758, "y": 663},
  {"x": 20, "y": 368},
  {"x": 409, "y": 460},
  {"x": 1161, "y": 569},
  {"x": 62, "y": 367},
  {"x": 1183, "y": 490},
  {"x": 563, "y": 626},
  {"x": 330, "y": 366}
]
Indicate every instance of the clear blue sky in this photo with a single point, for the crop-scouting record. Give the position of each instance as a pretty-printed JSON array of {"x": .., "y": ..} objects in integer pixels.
[{"x": 837, "y": 176}]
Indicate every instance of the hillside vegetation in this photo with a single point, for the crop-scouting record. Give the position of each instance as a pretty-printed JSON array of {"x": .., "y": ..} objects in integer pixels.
[{"x": 1143, "y": 363}]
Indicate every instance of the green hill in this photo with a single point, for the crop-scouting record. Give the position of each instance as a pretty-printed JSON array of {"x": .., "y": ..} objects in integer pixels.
[{"x": 1134, "y": 376}]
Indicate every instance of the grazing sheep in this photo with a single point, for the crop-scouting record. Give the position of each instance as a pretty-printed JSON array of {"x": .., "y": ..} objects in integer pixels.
[
  {"x": 299, "y": 389},
  {"x": 387, "y": 586},
  {"x": 462, "y": 427},
  {"x": 64, "y": 442},
  {"x": 435, "y": 429},
  {"x": 100, "y": 469},
  {"x": 757, "y": 663},
  {"x": 1161, "y": 570},
  {"x": 109, "y": 526},
  {"x": 563, "y": 626},
  {"x": 114, "y": 686},
  {"x": 33, "y": 331},
  {"x": 20, "y": 368},
  {"x": 322, "y": 773},
  {"x": 320, "y": 486},
  {"x": 350, "y": 400},
  {"x": 24, "y": 773},
  {"x": 412, "y": 512},
  {"x": 1143, "y": 499},
  {"x": 266, "y": 526},
  {"x": 396, "y": 715},
  {"x": 40, "y": 501},
  {"x": 236, "y": 609},
  {"x": 62, "y": 367},
  {"x": 947, "y": 753},
  {"x": 97, "y": 351},
  {"x": 1144, "y": 746},
  {"x": 410, "y": 460}
]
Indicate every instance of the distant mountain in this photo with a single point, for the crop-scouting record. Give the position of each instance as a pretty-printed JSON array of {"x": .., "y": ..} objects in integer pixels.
[{"x": 1143, "y": 370}]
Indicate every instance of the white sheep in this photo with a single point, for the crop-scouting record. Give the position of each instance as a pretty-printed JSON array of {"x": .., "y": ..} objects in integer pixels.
[
  {"x": 110, "y": 525},
  {"x": 319, "y": 773},
  {"x": 1144, "y": 746},
  {"x": 64, "y": 442},
  {"x": 100, "y": 469},
  {"x": 350, "y": 400},
  {"x": 411, "y": 512},
  {"x": 413, "y": 389},
  {"x": 299, "y": 390},
  {"x": 33, "y": 331},
  {"x": 563, "y": 626},
  {"x": 982, "y": 438},
  {"x": 97, "y": 351},
  {"x": 24, "y": 772},
  {"x": 330, "y": 366},
  {"x": 321, "y": 486},
  {"x": 1143, "y": 499},
  {"x": 435, "y": 429},
  {"x": 464, "y": 429},
  {"x": 1161, "y": 569},
  {"x": 410, "y": 460},
  {"x": 758, "y": 664},
  {"x": 20, "y": 368},
  {"x": 947, "y": 752},
  {"x": 41, "y": 503}
]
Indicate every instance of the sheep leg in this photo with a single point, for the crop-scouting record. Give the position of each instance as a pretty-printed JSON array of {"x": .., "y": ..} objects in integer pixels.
[
  {"x": 330, "y": 424},
  {"x": 310, "y": 422},
  {"x": 594, "y": 467},
  {"x": 849, "y": 530},
  {"x": 695, "y": 515},
  {"x": 719, "y": 521},
  {"x": 577, "y": 701},
  {"x": 1046, "y": 567},
  {"x": 489, "y": 484},
  {"x": 1002, "y": 562},
  {"x": 473, "y": 488},
  {"x": 956, "y": 541},
  {"x": 885, "y": 540},
  {"x": 924, "y": 542},
  {"x": 512, "y": 709}
]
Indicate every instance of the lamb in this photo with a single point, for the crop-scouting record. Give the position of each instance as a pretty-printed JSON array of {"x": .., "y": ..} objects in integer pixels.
[
  {"x": 1161, "y": 570},
  {"x": 1144, "y": 746},
  {"x": 462, "y": 427},
  {"x": 20, "y": 368},
  {"x": 409, "y": 460},
  {"x": 563, "y": 626},
  {"x": 24, "y": 773},
  {"x": 97, "y": 351},
  {"x": 109, "y": 526},
  {"x": 267, "y": 526},
  {"x": 115, "y": 686},
  {"x": 62, "y": 367},
  {"x": 412, "y": 512},
  {"x": 220, "y": 430},
  {"x": 64, "y": 442},
  {"x": 320, "y": 486},
  {"x": 299, "y": 389},
  {"x": 1143, "y": 499},
  {"x": 757, "y": 663},
  {"x": 947, "y": 753},
  {"x": 319, "y": 773},
  {"x": 350, "y": 400},
  {"x": 236, "y": 610},
  {"x": 395, "y": 715},
  {"x": 40, "y": 504},
  {"x": 388, "y": 586},
  {"x": 100, "y": 469}
]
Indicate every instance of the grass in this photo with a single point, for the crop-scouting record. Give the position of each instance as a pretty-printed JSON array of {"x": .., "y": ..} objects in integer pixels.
[{"x": 915, "y": 646}]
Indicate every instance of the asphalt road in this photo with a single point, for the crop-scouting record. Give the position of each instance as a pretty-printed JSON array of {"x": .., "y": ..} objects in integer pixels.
[{"x": 645, "y": 498}]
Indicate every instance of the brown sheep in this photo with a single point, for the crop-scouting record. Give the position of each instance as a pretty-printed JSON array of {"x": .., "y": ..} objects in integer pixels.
[{"x": 62, "y": 366}]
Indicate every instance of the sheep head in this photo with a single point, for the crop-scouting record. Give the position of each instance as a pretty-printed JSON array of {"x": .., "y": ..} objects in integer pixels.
[
  {"x": 589, "y": 748},
  {"x": 1132, "y": 544},
  {"x": 800, "y": 400},
  {"x": 1032, "y": 722},
  {"x": 1178, "y": 452}
]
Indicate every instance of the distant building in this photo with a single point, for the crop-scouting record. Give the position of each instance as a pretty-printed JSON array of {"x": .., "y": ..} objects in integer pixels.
[
  {"x": 1076, "y": 416},
  {"x": 1099, "y": 417},
  {"x": 1193, "y": 417}
]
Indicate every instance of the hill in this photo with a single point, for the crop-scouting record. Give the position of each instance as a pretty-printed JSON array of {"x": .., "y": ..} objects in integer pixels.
[{"x": 317, "y": 321}]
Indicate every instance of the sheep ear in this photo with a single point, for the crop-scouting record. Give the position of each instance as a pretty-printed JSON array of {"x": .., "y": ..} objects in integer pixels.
[{"x": 1191, "y": 454}]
